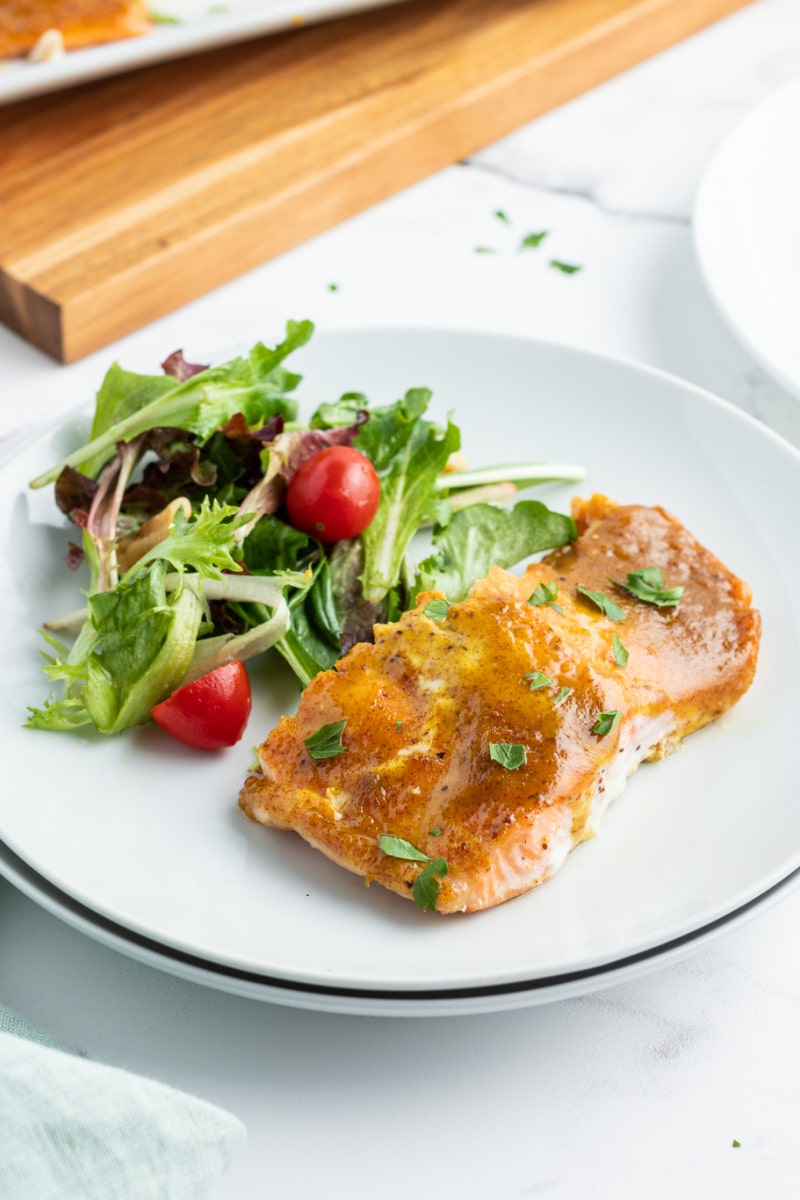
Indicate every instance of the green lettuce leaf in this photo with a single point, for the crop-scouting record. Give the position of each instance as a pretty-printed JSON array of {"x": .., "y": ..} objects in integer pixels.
[
  {"x": 409, "y": 453},
  {"x": 134, "y": 650},
  {"x": 482, "y": 536},
  {"x": 144, "y": 647},
  {"x": 123, "y": 393},
  {"x": 344, "y": 411},
  {"x": 139, "y": 638},
  {"x": 313, "y": 642},
  {"x": 255, "y": 386}
]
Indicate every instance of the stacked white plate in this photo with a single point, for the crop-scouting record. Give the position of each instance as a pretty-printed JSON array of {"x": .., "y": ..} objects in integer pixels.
[
  {"x": 747, "y": 233},
  {"x": 139, "y": 841}
]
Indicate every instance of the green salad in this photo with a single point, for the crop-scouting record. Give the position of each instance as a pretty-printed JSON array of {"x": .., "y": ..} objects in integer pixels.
[{"x": 212, "y": 525}]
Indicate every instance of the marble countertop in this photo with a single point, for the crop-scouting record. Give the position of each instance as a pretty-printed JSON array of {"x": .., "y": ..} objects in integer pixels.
[{"x": 638, "y": 1090}]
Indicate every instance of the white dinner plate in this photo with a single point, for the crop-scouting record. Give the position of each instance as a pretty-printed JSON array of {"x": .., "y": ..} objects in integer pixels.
[
  {"x": 747, "y": 233},
  {"x": 147, "y": 833},
  {"x": 389, "y": 1004},
  {"x": 199, "y": 25}
]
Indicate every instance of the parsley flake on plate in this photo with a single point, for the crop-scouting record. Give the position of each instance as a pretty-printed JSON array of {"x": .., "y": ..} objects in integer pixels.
[
  {"x": 564, "y": 268},
  {"x": 532, "y": 241},
  {"x": 606, "y": 605},
  {"x": 562, "y": 695},
  {"x": 510, "y": 755},
  {"x": 326, "y": 742},
  {"x": 648, "y": 584}
]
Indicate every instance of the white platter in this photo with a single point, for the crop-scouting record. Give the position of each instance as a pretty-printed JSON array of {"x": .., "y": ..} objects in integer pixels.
[
  {"x": 147, "y": 835},
  {"x": 747, "y": 233},
  {"x": 201, "y": 25}
]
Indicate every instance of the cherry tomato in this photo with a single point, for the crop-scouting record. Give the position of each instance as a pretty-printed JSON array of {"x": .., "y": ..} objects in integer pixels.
[
  {"x": 211, "y": 712},
  {"x": 334, "y": 494}
]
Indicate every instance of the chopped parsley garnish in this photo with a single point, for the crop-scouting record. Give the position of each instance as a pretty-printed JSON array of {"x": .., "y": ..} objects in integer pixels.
[
  {"x": 501, "y": 216},
  {"x": 648, "y": 584},
  {"x": 620, "y": 653},
  {"x": 398, "y": 725},
  {"x": 435, "y": 832},
  {"x": 562, "y": 695},
  {"x": 606, "y": 721},
  {"x": 604, "y": 603},
  {"x": 510, "y": 755},
  {"x": 563, "y": 267},
  {"x": 333, "y": 287},
  {"x": 327, "y": 741},
  {"x": 532, "y": 241},
  {"x": 436, "y": 609},
  {"x": 546, "y": 593},
  {"x": 736, "y": 1145},
  {"x": 485, "y": 250},
  {"x": 397, "y": 847},
  {"x": 426, "y": 886},
  {"x": 539, "y": 680}
]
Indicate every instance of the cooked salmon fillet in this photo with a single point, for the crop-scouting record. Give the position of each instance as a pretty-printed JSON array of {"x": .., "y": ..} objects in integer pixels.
[
  {"x": 425, "y": 703},
  {"x": 80, "y": 22}
]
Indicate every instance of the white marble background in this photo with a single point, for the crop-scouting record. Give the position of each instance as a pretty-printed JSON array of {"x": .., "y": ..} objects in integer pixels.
[{"x": 640, "y": 1090}]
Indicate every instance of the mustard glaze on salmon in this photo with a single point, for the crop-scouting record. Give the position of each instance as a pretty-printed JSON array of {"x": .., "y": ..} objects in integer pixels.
[{"x": 426, "y": 702}]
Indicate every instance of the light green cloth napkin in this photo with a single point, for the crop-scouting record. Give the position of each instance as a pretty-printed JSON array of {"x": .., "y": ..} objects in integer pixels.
[{"x": 71, "y": 1129}]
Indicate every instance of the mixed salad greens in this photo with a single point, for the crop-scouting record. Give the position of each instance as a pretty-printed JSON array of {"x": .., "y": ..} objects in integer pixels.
[{"x": 179, "y": 497}]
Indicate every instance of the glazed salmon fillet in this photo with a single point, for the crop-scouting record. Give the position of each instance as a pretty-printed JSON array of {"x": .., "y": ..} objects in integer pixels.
[
  {"x": 425, "y": 704},
  {"x": 80, "y": 22}
]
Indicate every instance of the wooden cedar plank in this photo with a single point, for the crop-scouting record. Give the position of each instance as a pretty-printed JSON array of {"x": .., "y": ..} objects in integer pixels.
[{"x": 125, "y": 199}]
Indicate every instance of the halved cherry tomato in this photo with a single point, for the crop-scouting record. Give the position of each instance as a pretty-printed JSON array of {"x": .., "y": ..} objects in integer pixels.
[
  {"x": 334, "y": 494},
  {"x": 211, "y": 712}
]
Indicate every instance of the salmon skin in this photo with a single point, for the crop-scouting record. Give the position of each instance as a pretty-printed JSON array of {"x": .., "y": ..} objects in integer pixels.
[{"x": 524, "y": 662}]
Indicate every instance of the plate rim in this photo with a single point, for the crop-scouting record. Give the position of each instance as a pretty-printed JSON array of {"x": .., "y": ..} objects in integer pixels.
[
  {"x": 378, "y": 1001},
  {"x": 636, "y": 369}
]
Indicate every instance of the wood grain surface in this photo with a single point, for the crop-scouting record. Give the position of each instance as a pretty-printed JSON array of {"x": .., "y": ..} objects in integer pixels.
[{"x": 122, "y": 200}]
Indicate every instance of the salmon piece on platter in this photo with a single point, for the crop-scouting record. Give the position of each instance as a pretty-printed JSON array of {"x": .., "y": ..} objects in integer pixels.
[
  {"x": 491, "y": 735},
  {"x": 80, "y": 22}
]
